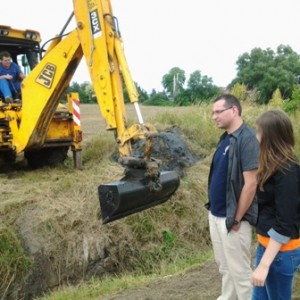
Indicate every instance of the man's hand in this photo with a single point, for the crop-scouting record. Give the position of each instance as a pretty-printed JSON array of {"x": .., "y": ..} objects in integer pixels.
[
  {"x": 8, "y": 77},
  {"x": 236, "y": 227}
]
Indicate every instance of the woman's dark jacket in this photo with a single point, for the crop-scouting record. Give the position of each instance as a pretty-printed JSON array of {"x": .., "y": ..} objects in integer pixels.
[{"x": 279, "y": 203}]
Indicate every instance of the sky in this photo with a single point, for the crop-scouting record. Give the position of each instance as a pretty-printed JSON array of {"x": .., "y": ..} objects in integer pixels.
[{"x": 158, "y": 35}]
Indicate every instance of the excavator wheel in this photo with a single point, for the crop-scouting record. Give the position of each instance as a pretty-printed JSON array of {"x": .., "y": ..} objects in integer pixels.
[
  {"x": 46, "y": 157},
  {"x": 8, "y": 157}
]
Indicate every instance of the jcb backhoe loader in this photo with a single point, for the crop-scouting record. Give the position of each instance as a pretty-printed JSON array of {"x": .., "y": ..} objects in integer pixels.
[{"x": 45, "y": 130}]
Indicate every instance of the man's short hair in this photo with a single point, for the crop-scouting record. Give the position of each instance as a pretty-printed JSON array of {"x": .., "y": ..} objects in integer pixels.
[
  {"x": 230, "y": 100},
  {"x": 4, "y": 54}
]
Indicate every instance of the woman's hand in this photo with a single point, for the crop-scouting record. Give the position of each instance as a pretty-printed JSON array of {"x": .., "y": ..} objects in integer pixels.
[{"x": 259, "y": 275}]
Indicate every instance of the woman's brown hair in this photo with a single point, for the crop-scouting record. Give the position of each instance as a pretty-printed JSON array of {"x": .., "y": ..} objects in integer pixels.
[{"x": 276, "y": 144}]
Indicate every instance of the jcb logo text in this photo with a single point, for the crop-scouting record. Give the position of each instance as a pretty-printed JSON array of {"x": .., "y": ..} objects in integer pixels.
[{"x": 45, "y": 78}]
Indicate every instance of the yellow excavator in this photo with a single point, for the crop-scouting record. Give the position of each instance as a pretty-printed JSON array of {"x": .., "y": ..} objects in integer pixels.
[{"x": 44, "y": 130}]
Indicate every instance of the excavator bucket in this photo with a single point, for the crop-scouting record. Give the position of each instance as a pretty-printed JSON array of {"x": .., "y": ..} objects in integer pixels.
[{"x": 122, "y": 198}]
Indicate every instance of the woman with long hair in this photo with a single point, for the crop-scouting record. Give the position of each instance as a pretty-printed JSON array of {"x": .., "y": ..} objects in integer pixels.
[{"x": 278, "y": 196}]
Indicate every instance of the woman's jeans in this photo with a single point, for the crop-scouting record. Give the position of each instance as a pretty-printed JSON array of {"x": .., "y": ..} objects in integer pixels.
[{"x": 279, "y": 282}]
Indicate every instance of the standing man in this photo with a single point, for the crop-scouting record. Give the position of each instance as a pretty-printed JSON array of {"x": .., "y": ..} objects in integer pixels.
[
  {"x": 231, "y": 193},
  {"x": 10, "y": 78}
]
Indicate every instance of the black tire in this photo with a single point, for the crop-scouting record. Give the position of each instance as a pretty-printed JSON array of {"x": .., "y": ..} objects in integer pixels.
[
  {"x": 46, "y": 157},
  {"x": 8, "y": 157}
]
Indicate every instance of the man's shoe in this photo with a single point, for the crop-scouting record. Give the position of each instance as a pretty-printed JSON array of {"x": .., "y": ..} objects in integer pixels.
[
  {"x": 17, "y": 101},
  {"x": 8, "y": 100}
]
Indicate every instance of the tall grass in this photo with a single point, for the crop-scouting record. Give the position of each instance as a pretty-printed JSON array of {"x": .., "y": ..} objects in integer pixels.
[
  {"x": 174, "y": 236},
  {"x": 64, "y": 210}
]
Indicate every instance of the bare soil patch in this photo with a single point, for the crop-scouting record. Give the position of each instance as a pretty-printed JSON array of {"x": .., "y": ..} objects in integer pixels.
[{"x": 199, "y": 283}]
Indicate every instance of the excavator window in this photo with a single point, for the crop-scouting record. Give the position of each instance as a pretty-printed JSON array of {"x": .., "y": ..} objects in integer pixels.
[{"x": 22, "y": 61}]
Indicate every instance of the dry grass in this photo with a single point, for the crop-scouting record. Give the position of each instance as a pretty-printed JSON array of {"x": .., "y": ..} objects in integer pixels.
[{"x": 55, "y": 212}]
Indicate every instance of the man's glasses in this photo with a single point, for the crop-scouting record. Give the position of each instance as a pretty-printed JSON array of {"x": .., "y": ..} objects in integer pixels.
[{"x": 218, "y": 112}]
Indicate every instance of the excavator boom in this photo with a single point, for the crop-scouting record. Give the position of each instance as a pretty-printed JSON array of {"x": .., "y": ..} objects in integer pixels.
[
  {"x": 98, "y": 29},
  {"x": 97, "y": 38}
]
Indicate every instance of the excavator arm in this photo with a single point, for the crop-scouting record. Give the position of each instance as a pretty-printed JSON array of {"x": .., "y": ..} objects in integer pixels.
[
  {"x": 98, "y": 29},
  {"x": 43, "y": 88},
  {"x": 97, "y": 38}
]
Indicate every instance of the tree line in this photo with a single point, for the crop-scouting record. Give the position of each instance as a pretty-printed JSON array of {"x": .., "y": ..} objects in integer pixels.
[{"x": 260, "y": 73}]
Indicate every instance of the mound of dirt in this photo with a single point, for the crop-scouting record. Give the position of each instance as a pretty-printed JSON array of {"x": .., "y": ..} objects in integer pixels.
[
  {"x": 169, "y": 148},
  {"x": 172, "y": 150}
]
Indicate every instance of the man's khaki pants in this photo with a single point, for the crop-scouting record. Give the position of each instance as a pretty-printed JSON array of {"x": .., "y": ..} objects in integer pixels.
[{"x": 232, "y": 251}]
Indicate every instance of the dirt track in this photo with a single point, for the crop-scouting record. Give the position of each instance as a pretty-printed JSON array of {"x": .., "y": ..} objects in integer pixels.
[{"x": 199, "y": 283}]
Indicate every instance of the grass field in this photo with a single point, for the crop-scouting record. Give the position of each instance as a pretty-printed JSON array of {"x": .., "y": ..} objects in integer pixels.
[{"x": 51, "y": 231}]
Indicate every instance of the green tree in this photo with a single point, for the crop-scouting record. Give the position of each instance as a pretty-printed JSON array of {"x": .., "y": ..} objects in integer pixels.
[
  {"x": 158, "y": 98},
  {"x": 200, "y": 87},
  {"x": 143, "y": 95},
  {"x": 183, "y": 98},
  {"x": 293, "y": 105},
  {"x": 173, "y": 81},
  {"x": 267, "y": 70},
  {"x": 85, "y": 91},
  {"x": 89, "y": 93}
]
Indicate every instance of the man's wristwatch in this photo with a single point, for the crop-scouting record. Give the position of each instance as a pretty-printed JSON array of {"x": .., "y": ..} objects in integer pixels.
[{"x": 236, "y": 222}]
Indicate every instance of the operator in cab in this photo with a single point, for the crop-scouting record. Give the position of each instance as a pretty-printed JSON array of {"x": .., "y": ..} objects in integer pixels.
[{"x": 10, "y": 78}]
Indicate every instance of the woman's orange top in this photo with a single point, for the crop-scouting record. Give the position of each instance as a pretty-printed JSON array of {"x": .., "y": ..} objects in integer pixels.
[{"x": 290, "y": 245}]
